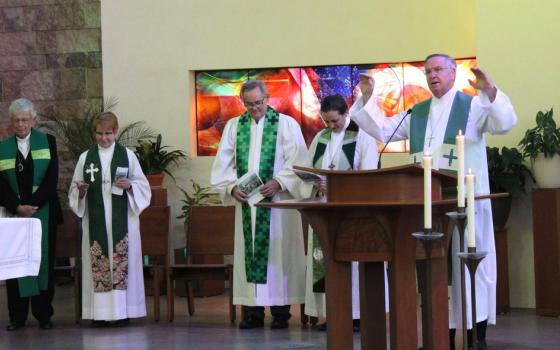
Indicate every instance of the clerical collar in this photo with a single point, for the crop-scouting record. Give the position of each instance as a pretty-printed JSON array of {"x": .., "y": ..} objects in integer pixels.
[
  {"x": 23, "y": 145},
  {"x": 448, "y": 95},
  {"x": 106, "y": 149}
]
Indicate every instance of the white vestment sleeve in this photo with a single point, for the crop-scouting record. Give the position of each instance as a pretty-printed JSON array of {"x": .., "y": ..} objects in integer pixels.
[
  {"x": 224, "y": 176},
  {"x": 496, "y": 117},
  {"x": 366, "y": 155},
  {"x": 141, "y": 194},
  {"x": 295, "y": 152},
  {"x": 307, "y": 187},
  {"x": 370, "y": 118},
  {"x": 77, "y": 204}
]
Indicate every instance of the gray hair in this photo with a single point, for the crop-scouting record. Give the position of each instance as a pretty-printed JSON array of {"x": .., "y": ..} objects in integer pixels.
[
  {"x": 450, "y": 60},
  {"x": 22, "y": 104},
  {"x": 252, "y": 84}
]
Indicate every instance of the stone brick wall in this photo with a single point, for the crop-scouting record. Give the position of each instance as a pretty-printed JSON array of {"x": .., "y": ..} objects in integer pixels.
[{"x": 50, "y": 53}]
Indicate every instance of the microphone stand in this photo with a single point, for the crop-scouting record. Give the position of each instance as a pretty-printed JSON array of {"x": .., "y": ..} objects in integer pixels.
[{"x": 409, "y": 111}]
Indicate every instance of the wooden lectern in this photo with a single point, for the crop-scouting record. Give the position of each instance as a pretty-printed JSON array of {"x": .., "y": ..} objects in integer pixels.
[{"x": 369, "y": 216}]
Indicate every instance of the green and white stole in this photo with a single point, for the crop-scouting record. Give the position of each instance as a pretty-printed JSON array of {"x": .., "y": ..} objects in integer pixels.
[
  {"x": 345, "y": 162},
  {"x": 457, "y": 121},
  {"x": 256, "y": 252},
  {"x": 104, "y": 280},
  {"x": 40, "y": 153}
]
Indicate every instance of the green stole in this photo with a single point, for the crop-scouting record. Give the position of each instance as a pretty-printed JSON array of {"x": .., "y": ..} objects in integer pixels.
[
  {"x": 458, "y": 117},
  {"x": 104, "y": 280},
  {"x": 457, "y": 121},
  {"x": 40, "y": 153},
  {"x": 256, "y": 252},
  {"x": 346, "y": 161}
]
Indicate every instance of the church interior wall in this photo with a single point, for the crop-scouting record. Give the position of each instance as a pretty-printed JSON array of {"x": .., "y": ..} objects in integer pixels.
[
  {"x": 518, "y": 44},
  {"x": 151, "y": 50}
]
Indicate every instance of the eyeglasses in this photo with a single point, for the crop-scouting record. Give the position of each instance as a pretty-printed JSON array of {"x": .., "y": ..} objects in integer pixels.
[
  {"x": 22, "y": 120},
  {"x": 436, "y": 70},
  {"x": 254, "y": 104}
]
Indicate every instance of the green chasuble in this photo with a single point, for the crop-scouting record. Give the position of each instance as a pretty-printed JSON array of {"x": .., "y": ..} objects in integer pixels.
[
  {"x": 457, "y": 121},
  {"x": 104, "y": 280},
  {"x": 345, "y": 162},
  {"x": 40, "y": 153},
  {"x": 256, "y": 251}
]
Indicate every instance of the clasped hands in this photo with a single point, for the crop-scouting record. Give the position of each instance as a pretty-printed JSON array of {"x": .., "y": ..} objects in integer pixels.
[
  {"x": 26, "y": 211},
  {"x": 269, "y": 189},
  {"x": 321, "y": 186}
]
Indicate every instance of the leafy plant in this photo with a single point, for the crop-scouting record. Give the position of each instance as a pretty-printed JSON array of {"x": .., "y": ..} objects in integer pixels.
[
  {"x": 544, "y": 138},
  {"x": 200, "y": 196},
  {"x": 155, "y": 159},
  {"x": 506, "y": 171}
]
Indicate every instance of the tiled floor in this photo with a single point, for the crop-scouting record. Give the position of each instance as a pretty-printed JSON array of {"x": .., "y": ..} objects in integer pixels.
[{"x": 209, "y": 329}]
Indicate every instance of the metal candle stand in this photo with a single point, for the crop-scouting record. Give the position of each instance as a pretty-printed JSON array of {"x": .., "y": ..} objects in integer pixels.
[
  {"x": 460, "y": 217},
  {"x": 427, "y": 237},
  {"x": 472, "y": 258}
]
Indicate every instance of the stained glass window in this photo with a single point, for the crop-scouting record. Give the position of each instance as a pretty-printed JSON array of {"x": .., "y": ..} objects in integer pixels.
[{"x": 298, "y": 91}]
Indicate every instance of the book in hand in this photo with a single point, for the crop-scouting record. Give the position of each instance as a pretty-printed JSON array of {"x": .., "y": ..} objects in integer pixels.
[
  {"x": 307, "y": 176},
  {"x": 120, "y": 172},
  {"x": 251, "y": 184}
]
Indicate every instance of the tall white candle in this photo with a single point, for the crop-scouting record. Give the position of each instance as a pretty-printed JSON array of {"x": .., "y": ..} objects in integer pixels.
[
  {"x": 470, "y": 179},
  {"x": 427, "y": 164},
  {"x": 460, "y": 141}
]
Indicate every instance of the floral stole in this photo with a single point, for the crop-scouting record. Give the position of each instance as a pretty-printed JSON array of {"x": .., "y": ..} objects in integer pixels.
[{"x": 104, "y": 280}]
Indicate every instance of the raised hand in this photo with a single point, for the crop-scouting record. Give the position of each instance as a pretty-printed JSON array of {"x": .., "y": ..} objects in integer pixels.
[
  {"x": 367, "y": 83},
  {"x": 484, "y": 82}
]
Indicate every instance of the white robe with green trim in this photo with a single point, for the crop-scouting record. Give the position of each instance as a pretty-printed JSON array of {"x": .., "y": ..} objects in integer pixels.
[
  {"x": 496, "y": 117},
  {"x": 365, "y": 157},
  {"x": 116, "y": 304},
  {"x": 286, "y": 258}
]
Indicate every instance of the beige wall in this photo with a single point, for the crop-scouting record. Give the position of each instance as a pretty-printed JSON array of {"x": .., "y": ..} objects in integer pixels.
[
  {"x": 518, "y": 42},
  {"x": 150, "y": 49}
]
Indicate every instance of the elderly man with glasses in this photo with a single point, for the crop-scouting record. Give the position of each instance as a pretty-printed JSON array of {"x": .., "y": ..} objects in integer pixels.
[
  {"x": 431, "y": 128},
  {"x": 28, "y": 181},
  {"x": 269, "y": 267}
]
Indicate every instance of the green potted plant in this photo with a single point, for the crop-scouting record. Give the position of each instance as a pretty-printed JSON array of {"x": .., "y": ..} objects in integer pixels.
[
  {"x": 200, "y": 196},
  {"x": 506, "y": 173},
  {"x": 156, "y": 160},
  {"x": 542, "y": 145}
]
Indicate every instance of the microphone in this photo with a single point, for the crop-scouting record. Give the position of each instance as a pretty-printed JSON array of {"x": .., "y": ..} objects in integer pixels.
[{"x": 409, "y": 111}]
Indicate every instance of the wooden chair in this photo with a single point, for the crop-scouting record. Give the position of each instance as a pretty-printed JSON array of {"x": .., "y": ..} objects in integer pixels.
[
  {"x": 68, "y": 246},
  {"x": 154, "y": 232},
  {"x": 210, "y": 231}
]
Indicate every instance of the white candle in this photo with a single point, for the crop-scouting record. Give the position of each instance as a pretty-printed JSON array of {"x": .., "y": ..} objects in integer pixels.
[
  {"x": 470, "y": 179},
  {"x": 427, "y": 164},
  {"x": 460, "y": 141}
]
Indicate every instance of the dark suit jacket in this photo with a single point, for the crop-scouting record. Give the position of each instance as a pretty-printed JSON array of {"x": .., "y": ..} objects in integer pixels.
[{"x": 46, "y": 193}]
